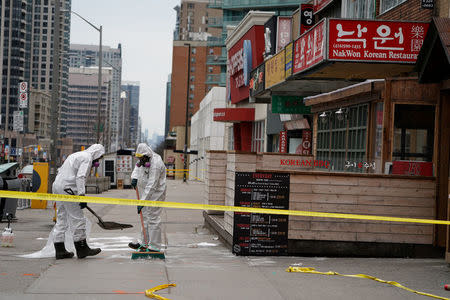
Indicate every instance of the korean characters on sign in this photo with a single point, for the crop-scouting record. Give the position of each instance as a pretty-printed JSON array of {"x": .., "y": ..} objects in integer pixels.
[
  {"x": 306, "y": 17},
  {"x": 383, "y": 41},
  {"x": 309, "y": 49},
  {"x": 284, "y": 32}
]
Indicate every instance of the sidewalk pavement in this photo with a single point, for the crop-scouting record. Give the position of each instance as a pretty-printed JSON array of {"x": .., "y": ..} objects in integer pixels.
[{"x": 196, "y": 261}]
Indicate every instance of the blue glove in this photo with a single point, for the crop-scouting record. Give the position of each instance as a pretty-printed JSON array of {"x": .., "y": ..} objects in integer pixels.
[
  {"x": 134, "y": 183},
  {"x": 139, "y": 208}
]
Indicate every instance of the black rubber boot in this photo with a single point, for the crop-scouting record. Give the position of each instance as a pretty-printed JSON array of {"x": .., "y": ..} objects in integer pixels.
[
  {"x": 61, "y": 252},
  {"x": 83, "y": 249},
  {"x": 134, "y": 245}
]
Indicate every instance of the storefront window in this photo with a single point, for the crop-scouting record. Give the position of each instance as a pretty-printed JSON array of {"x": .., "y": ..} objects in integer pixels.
[
  {"x": 341, "y": 137},
  {"x": 258, "y": 136},
  {"x": 388, "y": 4},
  {"x": 359, "y": 9},
  {"x": 413, "y": 132}
]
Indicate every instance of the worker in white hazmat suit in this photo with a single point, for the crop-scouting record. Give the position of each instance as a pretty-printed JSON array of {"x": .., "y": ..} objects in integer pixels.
[
  {"x": 149, "y": 176},
  {"x": 71, "y": 180}
]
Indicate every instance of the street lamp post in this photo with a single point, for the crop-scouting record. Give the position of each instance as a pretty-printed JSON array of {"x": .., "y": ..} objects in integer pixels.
[
  {"x": 187, "y": 113},
  {"x": 100, "y": 61},
  {"x": 55, "y": 93}
]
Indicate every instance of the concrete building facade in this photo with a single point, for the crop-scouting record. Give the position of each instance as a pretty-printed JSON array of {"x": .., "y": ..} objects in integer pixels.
[
  {"x": 87, "y": 56},
  {"x": 132, "y": 89},
  {"x": 82, "y": 108},
  {"x": 26, "y": 54},
  {"x": 39, "y": 113},
  {"x": 205, "y": 133}
]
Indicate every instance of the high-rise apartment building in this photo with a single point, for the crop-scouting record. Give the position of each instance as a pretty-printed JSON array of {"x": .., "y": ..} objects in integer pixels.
[
  {"x": 190, "y": 70},
  {"x": 26, "y": 54},
  {"x": 82, "y": 107},
  {"x": 87, "y": 56},
  {"x": 132, "y": 89}
]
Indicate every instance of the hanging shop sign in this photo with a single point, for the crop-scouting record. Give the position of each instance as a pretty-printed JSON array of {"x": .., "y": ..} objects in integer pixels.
[
  {"x": 270, "y": 36},
  {"x": 275, "y": 69},
  {"x": 257, "y": 80},
  {"x": 296, "y": 24},
  {"x": 309, "y": 49},
  {"x": 288, "y": 60},
  {"x": 289, "y": 105},
  {"x": 306, "y": 17},
  {"x": 375, "y": 41},
  {"x": 321, "y": 4},
  {"x": 258, "y": 234},
  {"x": 283, "y": 141},
  {"x": 284, "y": 36},
  {"x": 305, "y": 148},
  {"x": 234, "y": 114},
  {"x": 247, "y": 61}
]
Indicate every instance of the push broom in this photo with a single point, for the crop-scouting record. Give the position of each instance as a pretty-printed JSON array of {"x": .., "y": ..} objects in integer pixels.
[{"x": 144, "y": 251}]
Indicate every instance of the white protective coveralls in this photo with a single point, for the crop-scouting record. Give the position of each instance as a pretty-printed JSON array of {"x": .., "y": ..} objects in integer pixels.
[
  {"x": 72, "y": 175},
  {"x": 151, "y": 184}
]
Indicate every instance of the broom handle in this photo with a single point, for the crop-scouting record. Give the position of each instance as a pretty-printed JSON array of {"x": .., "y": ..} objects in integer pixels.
[{"x": 142, "y": 221}]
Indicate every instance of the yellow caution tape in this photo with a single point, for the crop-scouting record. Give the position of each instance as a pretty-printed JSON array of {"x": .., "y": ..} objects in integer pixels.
[
  {"x": 396, "y": 284},
  {"x": 149, "y": 292},
  {"x": 166, "y": 204}
]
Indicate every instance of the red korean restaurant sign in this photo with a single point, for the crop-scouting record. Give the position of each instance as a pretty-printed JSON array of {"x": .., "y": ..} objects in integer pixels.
[
  {"x": 283, "y": 141},
  {"x": 359, "y": 41},
  {"x": 309, "y": 49},
  {"x": 375, "y": 41}
]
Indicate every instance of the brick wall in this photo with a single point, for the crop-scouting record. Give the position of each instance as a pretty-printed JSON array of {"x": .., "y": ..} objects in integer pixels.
[
  {"x": 179, "y": 79},
  {"x": 408, "y": 11}
]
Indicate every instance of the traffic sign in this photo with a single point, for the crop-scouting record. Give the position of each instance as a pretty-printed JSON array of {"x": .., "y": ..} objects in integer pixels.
[
  {"x": 18, "y": 120},
  {"x": 23, "y": 87},
  {"x": 23, "y": 100}
]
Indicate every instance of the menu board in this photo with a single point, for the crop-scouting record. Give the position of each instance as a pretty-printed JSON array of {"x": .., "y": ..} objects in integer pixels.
[
  {"x": 124, "y": 163},
  {"x": 261, "y": 234}
]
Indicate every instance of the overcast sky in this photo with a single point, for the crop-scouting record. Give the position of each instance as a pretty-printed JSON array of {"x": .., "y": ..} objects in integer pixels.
[{"x": 145, "y": 30}]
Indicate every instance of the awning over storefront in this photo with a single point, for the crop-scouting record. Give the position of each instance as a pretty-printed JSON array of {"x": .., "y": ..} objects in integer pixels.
[
  {"x": 359, "y": 93},
  {"x": 433, "y": 63},
  {"x": 234, "y": 115}
]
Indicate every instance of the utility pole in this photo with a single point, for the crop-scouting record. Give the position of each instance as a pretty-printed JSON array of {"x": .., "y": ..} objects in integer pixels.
[
  {"x": 55, "y": 93},
  {"x": 187, "y": 113},
  {"x": 100, "y": 60}
]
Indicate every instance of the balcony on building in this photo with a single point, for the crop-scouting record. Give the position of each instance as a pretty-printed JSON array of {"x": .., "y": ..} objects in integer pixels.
[
  {"x": 216, "y": 60},
  {"x": 214, "y": 41},
  {"x": 215, "y": 4},
  {"x": 219, "y": 79}
]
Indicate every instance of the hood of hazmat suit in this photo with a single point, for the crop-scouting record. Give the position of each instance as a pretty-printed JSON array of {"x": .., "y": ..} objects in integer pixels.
[{"x": 72, "y": 174}]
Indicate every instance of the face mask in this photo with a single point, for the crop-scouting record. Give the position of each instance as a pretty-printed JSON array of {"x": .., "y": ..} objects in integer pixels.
[
  {"x": 96, "y": 164},
  {"x": 143, "y": 162}
]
